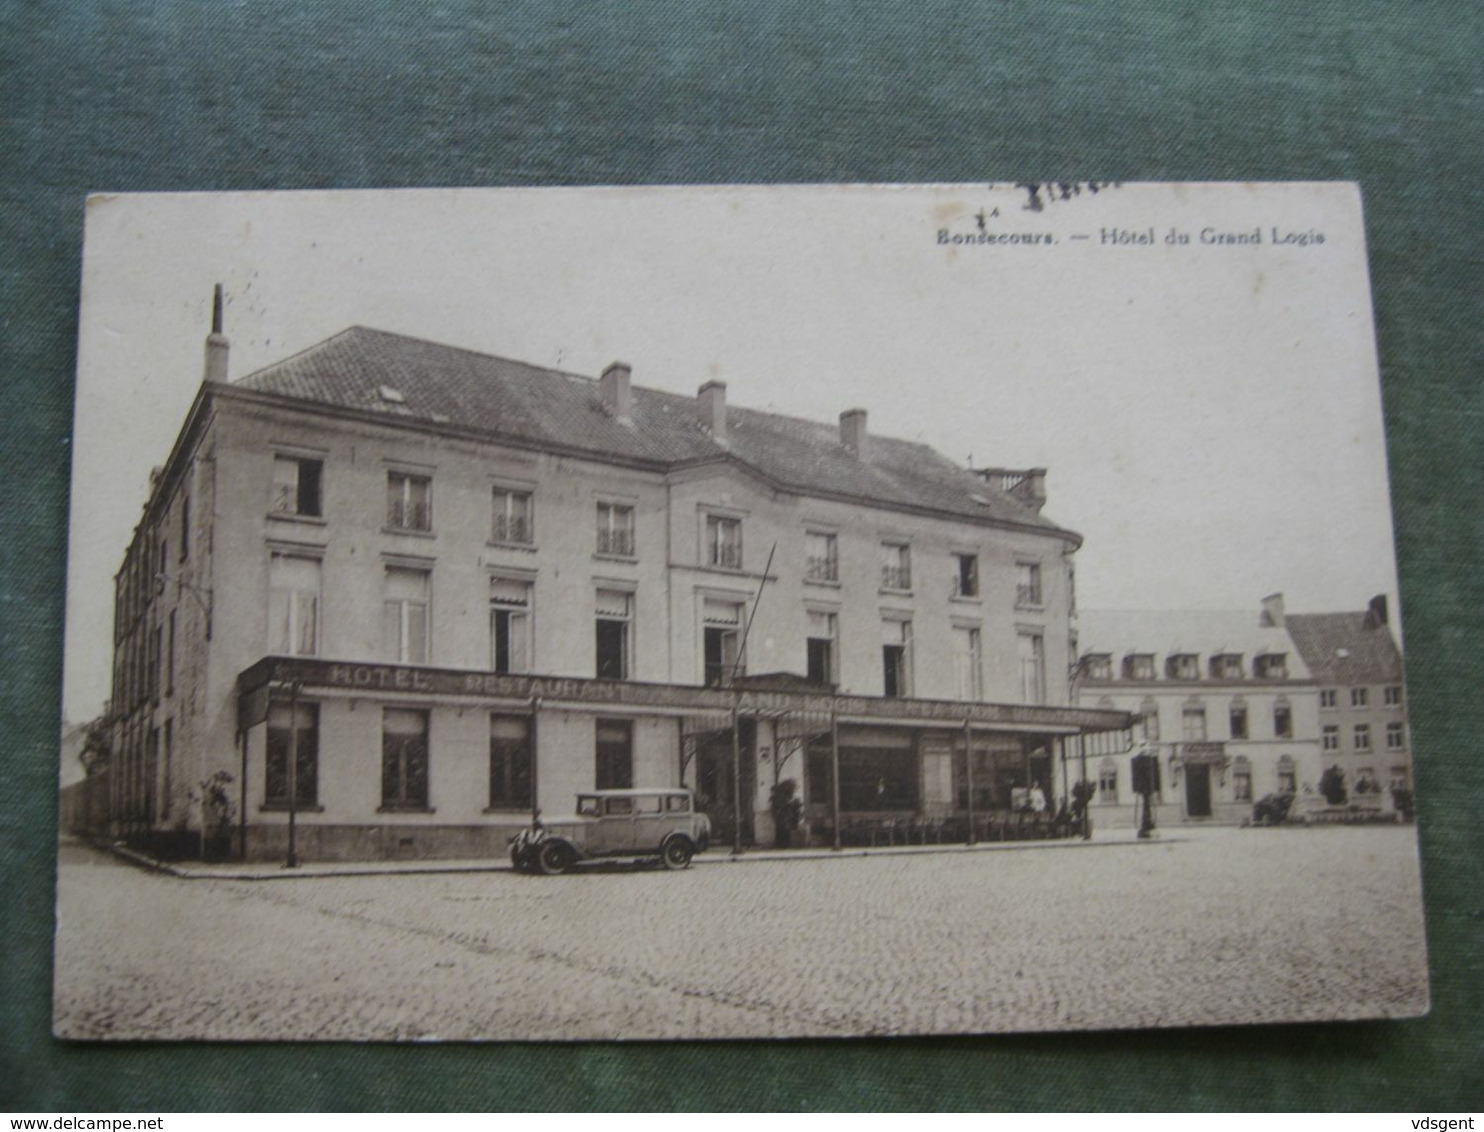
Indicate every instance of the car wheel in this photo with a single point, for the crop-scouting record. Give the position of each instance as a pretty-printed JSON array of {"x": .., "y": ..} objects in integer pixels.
[
  {"x": 553, "y": 858},
  {"x": 677, "y": 853}
]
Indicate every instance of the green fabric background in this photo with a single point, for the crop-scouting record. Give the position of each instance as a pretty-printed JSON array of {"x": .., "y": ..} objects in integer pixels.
[{"x": 191, "y": 94}]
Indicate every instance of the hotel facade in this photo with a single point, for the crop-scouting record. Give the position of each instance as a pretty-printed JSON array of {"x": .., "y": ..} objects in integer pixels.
[
  {"x": 401, "y": 595},
  {"x": 1238, "y": 705}
]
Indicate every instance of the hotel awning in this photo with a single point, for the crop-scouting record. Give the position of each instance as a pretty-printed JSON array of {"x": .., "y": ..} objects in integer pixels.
[{"x": 256, "y": 684}]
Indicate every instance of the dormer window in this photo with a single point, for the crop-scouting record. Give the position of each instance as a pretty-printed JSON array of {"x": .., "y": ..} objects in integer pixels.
[
  {"x": 1183, "y": 666},
  {"x": 1226, "y": 666},
  {"x": 1271, "y": 666},
  {"x": 1138, "y": 666},
  {"x": 1097, "y": 666}
]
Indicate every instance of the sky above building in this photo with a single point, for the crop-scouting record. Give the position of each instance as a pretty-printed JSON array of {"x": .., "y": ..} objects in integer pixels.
[{"x": 1209, "y": 411}]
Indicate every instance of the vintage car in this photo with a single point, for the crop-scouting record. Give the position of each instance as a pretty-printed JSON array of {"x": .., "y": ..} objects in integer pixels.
[{"x": 658, "y": 823}]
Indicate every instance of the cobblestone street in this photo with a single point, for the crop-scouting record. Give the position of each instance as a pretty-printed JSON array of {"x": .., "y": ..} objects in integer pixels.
[{"x": 1209, "y": 926}]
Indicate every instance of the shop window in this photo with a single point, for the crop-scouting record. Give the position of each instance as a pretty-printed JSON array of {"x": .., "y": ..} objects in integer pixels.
[
  {"x": 296, "y": 489},
  {"x": 1108, "y": 782},
  {"x": 510, "y": 762},
  {"x": 511, "y": 518},
  {"x": 409, "y": 502},
  {"x": 404, "y": 616},
  {"x": 510, "y": 625},
  {"x": 616, "y": 530},
  {"x": 404, "y": 759},
  {"x": 615, "y": 754},
  {"x": 303, "y": 721},
  {"x": 293, "y": 605},
  {"x": 615, "y": 613}
]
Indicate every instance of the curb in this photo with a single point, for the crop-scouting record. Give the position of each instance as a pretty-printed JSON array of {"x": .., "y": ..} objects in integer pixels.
[{"x": 715, "y": 856}]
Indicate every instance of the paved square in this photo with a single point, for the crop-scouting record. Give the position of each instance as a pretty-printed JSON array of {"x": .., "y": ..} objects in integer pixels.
[{"x": 1210, "y": 926}]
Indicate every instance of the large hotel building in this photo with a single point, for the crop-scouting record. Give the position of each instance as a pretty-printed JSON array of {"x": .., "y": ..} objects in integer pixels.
[{"x": 460, "y": 588}]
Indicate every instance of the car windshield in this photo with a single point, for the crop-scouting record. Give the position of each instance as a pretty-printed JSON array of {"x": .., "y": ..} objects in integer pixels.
[{"x": 587, "y": 806}]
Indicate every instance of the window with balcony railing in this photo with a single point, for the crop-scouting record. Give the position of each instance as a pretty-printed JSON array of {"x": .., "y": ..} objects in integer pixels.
[
  {"x": 821, "y": 558},
  {"x": 896, "y": 566},
  {"x": 1028, "y": 588},
  {"x": 616, "y": 530},
  {"x": 511, "y": 517},
  {"x": 409, "y": 505},
  {"x": 724, "y": 542}
]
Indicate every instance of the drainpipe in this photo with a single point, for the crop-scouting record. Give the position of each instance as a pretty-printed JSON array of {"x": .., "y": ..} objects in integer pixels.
[
  {"x": 969, "y": 773},
  {"x": 835, "y": 772},
  {"x": 535, "y": 762},
  {"x": 736, "y": 781}
]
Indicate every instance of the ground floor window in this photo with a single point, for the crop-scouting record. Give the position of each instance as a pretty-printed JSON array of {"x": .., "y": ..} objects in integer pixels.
[
  {"x": 820, "y": 768},
  {"x": 510, "y": 762},
  {"x": 1241, "y": 780},
  {"x": 1287, "y": 779},
  {"x": 615, "y": 754},
  {"x": 298, "y": 726},
  {"x": 1108, "y": 782},
  {"x": 404, "y": 759},
  {"x": 873, "y": 778}
]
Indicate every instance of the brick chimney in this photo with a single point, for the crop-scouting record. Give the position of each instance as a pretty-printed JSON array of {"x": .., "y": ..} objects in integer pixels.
[
  {"x": 614, "y": 386},
  {"x": 1376, "y": 614},
  {"x": 711, "y": 407},
  {"x": 216, "y": 342},
  {"x": 1272, "y": 612},
  {"x": 853, "y": 432}
]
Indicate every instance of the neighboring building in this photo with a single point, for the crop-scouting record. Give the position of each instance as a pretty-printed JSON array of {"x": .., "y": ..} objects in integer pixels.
[
  {"x": 1228, "y": 702},
  {"x": 459, "y": 587},
  {"x": 1362, "y": 699}
]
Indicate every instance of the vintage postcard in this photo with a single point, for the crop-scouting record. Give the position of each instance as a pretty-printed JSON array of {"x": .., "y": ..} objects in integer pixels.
[{"x": 731, "y": 612}]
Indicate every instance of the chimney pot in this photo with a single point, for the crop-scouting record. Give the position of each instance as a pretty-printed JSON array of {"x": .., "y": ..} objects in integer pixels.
[
  {"x": 1272, "y": 611},
  {"x": 711, "y": 407},
  {"x": 614, "y": 387},
  {"x": 1376, "y": 612},
  {"x": 853, "y": 432},
  {"x": 217, "y": 346}
]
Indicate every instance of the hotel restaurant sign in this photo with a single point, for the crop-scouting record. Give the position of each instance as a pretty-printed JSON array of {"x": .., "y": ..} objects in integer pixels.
[{"x": 274, "y": 676}]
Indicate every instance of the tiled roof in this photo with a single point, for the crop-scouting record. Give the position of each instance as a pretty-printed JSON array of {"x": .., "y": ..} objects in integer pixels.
[
  {"x": 1164, "y": 632},
  {"x": 1346, "y": 648},
  {"x": 444, "y": 385}
]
